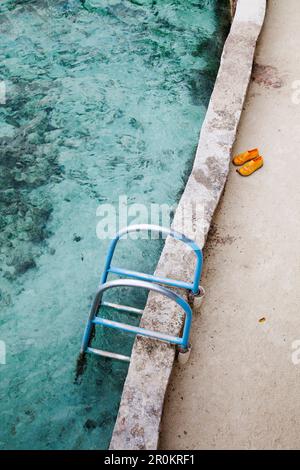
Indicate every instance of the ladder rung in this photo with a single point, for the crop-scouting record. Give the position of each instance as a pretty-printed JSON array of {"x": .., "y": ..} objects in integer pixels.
[
  {"x": 112, "y": 355},
  {"x": 124, "y": 308},
  {"x": 137, "y": 330},
  {"x": 150, "y": 278}
]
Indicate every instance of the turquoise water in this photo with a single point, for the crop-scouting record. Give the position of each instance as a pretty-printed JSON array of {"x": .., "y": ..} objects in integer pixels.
[{"x": 103, "y": 99}]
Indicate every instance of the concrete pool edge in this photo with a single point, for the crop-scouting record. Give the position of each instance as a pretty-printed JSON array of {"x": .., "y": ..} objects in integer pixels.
[
  {"x": 138, "y": 421},
  {"x": 233, "y": 4}
]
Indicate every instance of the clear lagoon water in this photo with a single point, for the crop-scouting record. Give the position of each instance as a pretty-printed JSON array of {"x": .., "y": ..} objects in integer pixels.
[{"x": 103, "y": 99}]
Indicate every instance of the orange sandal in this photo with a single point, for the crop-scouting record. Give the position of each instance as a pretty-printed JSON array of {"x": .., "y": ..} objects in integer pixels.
[
  {"x": 245, "y": 157},
  {"x": 251, "y": 167}
]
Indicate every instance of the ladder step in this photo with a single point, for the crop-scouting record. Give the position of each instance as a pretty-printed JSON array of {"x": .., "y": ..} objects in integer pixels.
[
  {"x": 112, "y": 355},
  {"x": 124, "y": 308},
  {"x": 150, "y": 278},
  {"x": 137, "y": 330}
]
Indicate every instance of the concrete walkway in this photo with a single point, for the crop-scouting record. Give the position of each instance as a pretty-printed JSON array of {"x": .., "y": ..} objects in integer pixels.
[{"x": 240, "y": 389}]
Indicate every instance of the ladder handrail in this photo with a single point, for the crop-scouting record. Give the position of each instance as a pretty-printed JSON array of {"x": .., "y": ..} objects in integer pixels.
[
  {"x": 182, "y": 341},
  {"x": 194, "y": 287}
]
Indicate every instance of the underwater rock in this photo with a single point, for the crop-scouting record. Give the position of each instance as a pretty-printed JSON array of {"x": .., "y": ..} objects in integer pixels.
[{"x": 90, "y": 424}]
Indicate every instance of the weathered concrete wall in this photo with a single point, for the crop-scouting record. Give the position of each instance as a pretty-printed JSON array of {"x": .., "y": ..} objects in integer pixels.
[{"x": 138, "y": 421}]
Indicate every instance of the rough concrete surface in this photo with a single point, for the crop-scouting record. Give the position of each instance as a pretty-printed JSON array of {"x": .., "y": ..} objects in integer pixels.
[
  {"x": 240, "y": 389},
  {"x": 138, "y": 421}
]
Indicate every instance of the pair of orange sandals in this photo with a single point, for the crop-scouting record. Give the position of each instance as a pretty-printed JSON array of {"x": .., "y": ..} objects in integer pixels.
[{"x": 250, "y": 161}]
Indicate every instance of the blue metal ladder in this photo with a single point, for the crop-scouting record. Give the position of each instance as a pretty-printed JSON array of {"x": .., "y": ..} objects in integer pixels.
[{"x": 146, "y": 281}]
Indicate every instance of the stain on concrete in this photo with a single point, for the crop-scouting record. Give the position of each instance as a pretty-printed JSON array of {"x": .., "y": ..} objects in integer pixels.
[
  {"x": 213, "y": 177},
  {"x": 137, "y": 431},
  {"x": 266, "y": 75},
  {"x": 216, "y": 238}
]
